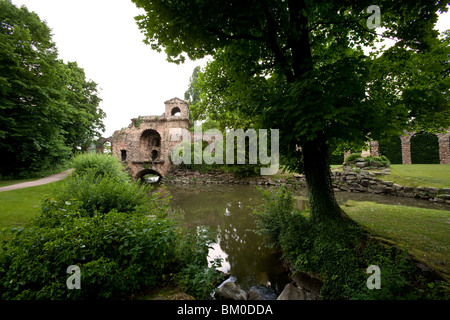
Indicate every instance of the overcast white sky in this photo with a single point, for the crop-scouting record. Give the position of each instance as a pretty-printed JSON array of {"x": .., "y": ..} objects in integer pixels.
[{"x": 103, "y": 38}]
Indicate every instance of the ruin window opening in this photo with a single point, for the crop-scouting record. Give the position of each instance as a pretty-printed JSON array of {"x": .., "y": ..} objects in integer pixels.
[
  {"x": 154, "y": 155},
  {"x": 123, "y": 155},
  {"x": 151, "y": 138},
  {"x": 176, "y": 112}
]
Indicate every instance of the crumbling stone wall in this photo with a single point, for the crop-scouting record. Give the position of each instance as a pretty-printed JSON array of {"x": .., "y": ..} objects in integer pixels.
[{"x": 444, "y": 147}]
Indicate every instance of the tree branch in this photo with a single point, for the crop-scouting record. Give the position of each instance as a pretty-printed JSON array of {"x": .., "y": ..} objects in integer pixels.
[{"x": 272, "y": 42}]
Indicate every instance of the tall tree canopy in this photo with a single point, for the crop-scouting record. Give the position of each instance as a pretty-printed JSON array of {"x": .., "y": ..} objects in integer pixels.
[
  {"x": 47, "y": 107},
  {"x": 300, "y": 66}
]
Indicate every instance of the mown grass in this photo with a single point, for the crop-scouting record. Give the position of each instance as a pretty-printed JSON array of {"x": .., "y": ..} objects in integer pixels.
[
  {"x": 424, "y": 233},
  {"x": 17, "y": 207},
  {"x": 420, "y": 175}
]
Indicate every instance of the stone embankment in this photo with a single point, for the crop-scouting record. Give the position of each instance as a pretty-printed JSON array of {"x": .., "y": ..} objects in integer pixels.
[
  {"x": 179, "y": 176},
  {"x": 368, "y": 181},
  {"x": 301, "y": 287},
  {"x": 351, "y": 179}
]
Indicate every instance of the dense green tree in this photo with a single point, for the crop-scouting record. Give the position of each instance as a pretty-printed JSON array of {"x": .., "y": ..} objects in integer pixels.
[
  {"x": 84, "y": 118},
  {"x": 196, "y": 114},
  {"x": 300, "y": 66},
  {"x": 192, "y": 94},
  {"x": 47, "y": 108}
]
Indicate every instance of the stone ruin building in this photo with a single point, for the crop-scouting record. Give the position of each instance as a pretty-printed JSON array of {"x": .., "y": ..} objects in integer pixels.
[{"x": 145, "y": 145}]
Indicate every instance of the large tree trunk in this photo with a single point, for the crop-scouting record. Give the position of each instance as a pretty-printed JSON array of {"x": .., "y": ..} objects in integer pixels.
[{"x": 318, "y": 177}]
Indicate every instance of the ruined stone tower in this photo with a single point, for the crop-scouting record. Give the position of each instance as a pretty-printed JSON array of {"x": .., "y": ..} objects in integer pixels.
[{"x": 145, "y": 145}]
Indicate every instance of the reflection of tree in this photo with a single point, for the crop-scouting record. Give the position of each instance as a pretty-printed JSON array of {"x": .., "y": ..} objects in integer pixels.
[{"x": 225, "y": 209}]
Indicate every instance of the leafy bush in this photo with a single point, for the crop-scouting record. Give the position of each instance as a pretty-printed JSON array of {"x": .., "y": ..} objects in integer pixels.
[
  {"x": 99, "y": 183},
  {"x": 118, "y": 254},
  {"x": 381, "y": 161},
  {"x": 98, "y": 165},
  {"x": 197, "y": 278},
  {"x": 96, "y": 193},
  {"x": 240, "y": 170},
  {"x": 114, "y": 230},
  {"x": 370, "y": 161},
  {"x": 335, "y": 154},
  {"x": 352, "y": 158},
  {"x": 339, "y": 252}
]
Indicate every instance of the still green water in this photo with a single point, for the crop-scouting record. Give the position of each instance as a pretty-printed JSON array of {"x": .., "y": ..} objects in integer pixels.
[{"x": 226, "y": 211}]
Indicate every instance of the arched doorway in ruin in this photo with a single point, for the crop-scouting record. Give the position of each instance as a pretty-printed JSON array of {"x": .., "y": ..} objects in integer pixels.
[
  {"x": 150, "y": 145},
  {"x": 425, "y": 148},
  {"x": 392, "y": 149}
]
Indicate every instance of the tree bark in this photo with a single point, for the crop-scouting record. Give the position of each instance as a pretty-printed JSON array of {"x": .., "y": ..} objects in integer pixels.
[{"x": 323, "y": 203}]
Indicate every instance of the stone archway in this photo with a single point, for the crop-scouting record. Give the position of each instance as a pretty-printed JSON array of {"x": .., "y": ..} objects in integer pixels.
[
  {"x": 392, "y": 149},
  {"x": 424, "y": 148},
  {"x": 443, "y": 141},
  {"x": 444, "y": 147},
  {"x": 141, "y": 174}
]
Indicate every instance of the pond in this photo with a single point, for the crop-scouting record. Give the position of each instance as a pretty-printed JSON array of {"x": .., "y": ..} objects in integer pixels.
[{"x": 226, "y": 210}]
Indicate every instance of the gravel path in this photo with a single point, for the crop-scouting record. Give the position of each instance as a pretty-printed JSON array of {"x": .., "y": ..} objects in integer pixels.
[{"x": 50, "y": 179}]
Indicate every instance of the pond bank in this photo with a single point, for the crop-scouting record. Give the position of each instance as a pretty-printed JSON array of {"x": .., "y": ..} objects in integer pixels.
[
  {"x": 346, "y": 180},
  {"x": 225, "y": 209}
]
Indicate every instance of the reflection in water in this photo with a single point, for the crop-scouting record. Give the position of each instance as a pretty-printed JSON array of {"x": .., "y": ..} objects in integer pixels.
[{"x": 226, "y": 210}]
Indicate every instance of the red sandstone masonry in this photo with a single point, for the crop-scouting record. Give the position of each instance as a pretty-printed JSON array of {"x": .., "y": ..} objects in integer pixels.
[{"x": 146, "y": 142}]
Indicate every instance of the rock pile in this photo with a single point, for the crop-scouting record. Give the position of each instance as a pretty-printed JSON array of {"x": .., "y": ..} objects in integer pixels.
[{"x": 302, "y": 287}]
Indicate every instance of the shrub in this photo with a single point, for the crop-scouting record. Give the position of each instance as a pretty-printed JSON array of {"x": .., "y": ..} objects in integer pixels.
[
  {"x": 380, "y": 161},
  {"x": 352, "y": 158},
  {"x": 99, "y": 184},
  {"x": 96, "y": 193},
  {"x": 116, "y": 231},
  {"x": 335, "y": 154},
  {"x": 197, "y": 278},
  {"x": 240, "y": 170},
  {"x": 118, "y": 254},
  {"x": 98, "y": 165}
]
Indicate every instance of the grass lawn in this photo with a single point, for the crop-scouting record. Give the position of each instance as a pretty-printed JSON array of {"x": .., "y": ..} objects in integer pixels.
[
  {"x": 17, "y": 207},
  {"x": 424, "y": 233},
  {"x": 420, "y": 175}
]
